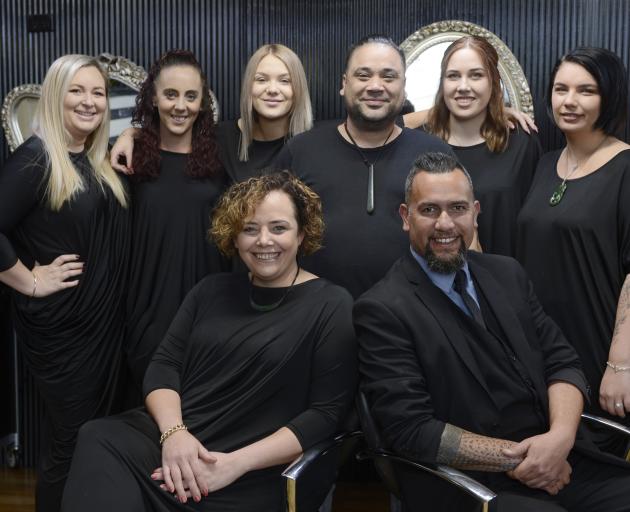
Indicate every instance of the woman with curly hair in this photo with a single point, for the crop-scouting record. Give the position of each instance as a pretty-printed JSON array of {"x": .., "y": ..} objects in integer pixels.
[
  {"x": 470, "y": 115},
  {"x": 178, "y": 179},
  {"x": 256, "y": 368}
]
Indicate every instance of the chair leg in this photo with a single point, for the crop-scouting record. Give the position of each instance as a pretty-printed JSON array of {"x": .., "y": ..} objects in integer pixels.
[
  {"x": 326, "y": 506},
  {"x": 395, "y": 505},
  {"x": 291, "y": 505}
]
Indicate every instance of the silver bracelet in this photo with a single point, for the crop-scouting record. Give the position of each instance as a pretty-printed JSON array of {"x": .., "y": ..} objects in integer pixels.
[{"x": 617, "y": 368}]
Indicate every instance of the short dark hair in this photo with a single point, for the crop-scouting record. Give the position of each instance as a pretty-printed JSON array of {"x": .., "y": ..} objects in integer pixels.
[
  {"x": 378, "y": 39},
  {"x": 612, "y": 82},
  {"x": 434, "y": 162}
]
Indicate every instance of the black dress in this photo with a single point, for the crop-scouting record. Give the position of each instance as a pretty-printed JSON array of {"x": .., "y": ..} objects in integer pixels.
[
  {"x": 241, "y": 375},
  {"x": 501, "y": 182},
  {"x": 72, "y": 339},
  {"x": 171, "y": 252},
  {"x": 261, "y": 153},
  {"x": 578, "y": 255}
]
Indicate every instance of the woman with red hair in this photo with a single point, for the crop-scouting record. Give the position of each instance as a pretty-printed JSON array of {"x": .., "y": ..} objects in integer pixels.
[{"x": 470, "y": 115}]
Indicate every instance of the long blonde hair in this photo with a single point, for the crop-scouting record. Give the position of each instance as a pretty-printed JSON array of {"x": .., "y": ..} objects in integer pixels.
[
  {"x": 64, "y": 181},
  {"x": 301, "y": 114}
]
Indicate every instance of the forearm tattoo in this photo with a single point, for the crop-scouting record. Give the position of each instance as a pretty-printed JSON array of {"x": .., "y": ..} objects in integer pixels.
[
  {"x": 464, "y": 450},
  {"x": 623, "y": 307}
]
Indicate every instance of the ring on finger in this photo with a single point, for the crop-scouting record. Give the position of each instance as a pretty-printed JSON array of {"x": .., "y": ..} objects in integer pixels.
[{"x": 619, "y": 405}]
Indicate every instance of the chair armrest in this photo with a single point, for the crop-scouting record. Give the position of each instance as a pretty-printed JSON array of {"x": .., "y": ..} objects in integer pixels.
[
  {"x": 608, "y": 423},
  {"x": 299, "y": 465},
  {"x": 464, "y": 482},
  {"x": 307, "y": 461}
]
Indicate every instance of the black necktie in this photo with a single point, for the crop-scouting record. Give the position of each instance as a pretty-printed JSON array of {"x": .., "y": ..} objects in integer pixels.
[{"x": 460, "y": 287}]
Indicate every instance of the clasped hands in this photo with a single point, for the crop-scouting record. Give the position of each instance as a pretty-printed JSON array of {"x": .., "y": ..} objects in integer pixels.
[
  {"x": 544, "y": 465},
  {"x": 189, "y": 470}
]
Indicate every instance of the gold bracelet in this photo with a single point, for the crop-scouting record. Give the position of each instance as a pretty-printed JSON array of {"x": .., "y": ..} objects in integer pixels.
[
  {"x": 168, "y": 433},
  {"x": 617, "y": 368},
  {"x": 34, "y": 283}
]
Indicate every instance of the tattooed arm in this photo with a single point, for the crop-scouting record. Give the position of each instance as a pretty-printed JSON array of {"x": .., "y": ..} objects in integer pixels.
[
  {"x": 462, "y": 449},
  {"x": 615, "y": 386}
]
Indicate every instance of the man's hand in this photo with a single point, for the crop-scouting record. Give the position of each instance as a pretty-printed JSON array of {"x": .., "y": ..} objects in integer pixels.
[{"x": 545, "y": 463}]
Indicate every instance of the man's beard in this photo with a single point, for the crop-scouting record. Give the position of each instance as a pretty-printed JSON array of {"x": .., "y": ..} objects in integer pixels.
[
  {"x": 368, "y": 124},
  {"x": 448, "y": 265}
]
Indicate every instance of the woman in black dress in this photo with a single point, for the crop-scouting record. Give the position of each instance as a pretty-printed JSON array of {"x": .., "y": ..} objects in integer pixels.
[
  {"x": 275, "y": 106},
  {"x": 256, "y": 367},
  {"x": 63, "y": 246},
  {"x": 574, "y": 228},
  {"x": 469, "y": 114},
  {"x": 177, "y": 181}
]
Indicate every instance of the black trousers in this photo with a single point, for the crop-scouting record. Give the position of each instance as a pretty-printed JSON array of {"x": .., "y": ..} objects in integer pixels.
[{"x": 595, "y": 487}]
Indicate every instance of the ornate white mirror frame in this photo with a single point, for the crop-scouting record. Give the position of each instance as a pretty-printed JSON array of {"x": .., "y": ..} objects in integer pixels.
[
  {"x": 424, "y": 50},
  {"x": 18, "y": 108}
]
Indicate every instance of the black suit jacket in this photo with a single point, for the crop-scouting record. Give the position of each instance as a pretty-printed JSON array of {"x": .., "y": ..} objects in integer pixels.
[{"x": 417, "y": 372}]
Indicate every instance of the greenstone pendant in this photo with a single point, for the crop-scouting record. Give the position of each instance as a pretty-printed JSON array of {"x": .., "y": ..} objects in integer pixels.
[{"x": 557, "y": 196}]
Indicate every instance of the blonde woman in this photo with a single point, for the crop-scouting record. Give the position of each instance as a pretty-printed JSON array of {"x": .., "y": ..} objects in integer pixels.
[
  {"x": 275, "y": 106},
  {"x": 63, "y": 241}
]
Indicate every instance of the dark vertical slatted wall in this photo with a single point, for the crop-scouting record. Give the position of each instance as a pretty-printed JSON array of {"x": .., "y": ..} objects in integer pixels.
[{"x": 223, "y": 33}]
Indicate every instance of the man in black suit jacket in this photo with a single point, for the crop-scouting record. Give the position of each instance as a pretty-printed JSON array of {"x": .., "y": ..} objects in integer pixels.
[{"x": 461, "y": 365}]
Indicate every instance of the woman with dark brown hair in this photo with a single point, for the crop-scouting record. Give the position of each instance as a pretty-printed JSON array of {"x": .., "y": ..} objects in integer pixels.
[
  {"x": 256, "y": 367},
  {"x": 469, "y": 114},
  {"x": 176, "y": 182}
]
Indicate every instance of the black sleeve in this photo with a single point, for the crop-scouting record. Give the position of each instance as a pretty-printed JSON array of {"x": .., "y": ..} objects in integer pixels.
[
  {"x": 334, "y": 376},
  {"x": 164, "y": 371},
  {"x": 561, "y": 361},
  {"x": 20, "y": 192},
  {"x": 394, "y": 383}
]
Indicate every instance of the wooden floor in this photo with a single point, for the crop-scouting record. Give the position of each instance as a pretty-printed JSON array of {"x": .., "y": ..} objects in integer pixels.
[{"x": 17, "y": 489}]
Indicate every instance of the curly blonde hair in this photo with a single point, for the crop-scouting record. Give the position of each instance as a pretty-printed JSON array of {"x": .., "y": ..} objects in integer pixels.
[{"x": 240, "y": 201}]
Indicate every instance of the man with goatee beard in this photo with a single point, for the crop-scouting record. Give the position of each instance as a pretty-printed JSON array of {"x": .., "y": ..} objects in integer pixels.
[
  {"x": 461, "y": 366},
  {"x": 358, "y": 167}
]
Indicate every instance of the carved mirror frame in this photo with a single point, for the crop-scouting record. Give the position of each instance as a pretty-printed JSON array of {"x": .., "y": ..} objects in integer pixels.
[
  {"x": 118, "y": 68},
  {"x": 512, "y": 76}
]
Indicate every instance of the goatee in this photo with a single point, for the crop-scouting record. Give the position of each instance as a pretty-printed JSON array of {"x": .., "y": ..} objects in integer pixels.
[
  {"x": 445, "y": 265},
  {"x": 371, "y": 125}
]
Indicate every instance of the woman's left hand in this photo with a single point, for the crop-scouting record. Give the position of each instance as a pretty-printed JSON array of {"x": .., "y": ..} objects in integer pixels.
[
  {"x": 516, "y": 116},
  {"x": 217, "y": 475},
  {"x": 614, "y": 392}
]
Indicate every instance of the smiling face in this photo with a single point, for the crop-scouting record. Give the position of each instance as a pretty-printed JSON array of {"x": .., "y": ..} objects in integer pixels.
[
  {"x": 466, "y": 85},
  {"x": 575, "y": 99},
  {"x": 178, "y": 95},
  {"x": 269, "y": 241},
  {"x": 272, "y": 90},
  {"x": 374, "y": 85},
  {"x": 84, "y": 105},
  {"x": 441, "y": 218}
]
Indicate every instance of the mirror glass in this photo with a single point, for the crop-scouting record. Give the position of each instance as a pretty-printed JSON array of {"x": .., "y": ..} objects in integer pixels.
[{"x": 424, "y": 50}]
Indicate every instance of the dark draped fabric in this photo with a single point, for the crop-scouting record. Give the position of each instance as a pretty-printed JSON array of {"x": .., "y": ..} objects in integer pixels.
[
  {"x": 241, "y": 375},
  {"x": 72, "y": 339},
  {"x": 170, "y": 253},
  {"x": 577, "y": 254}
]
